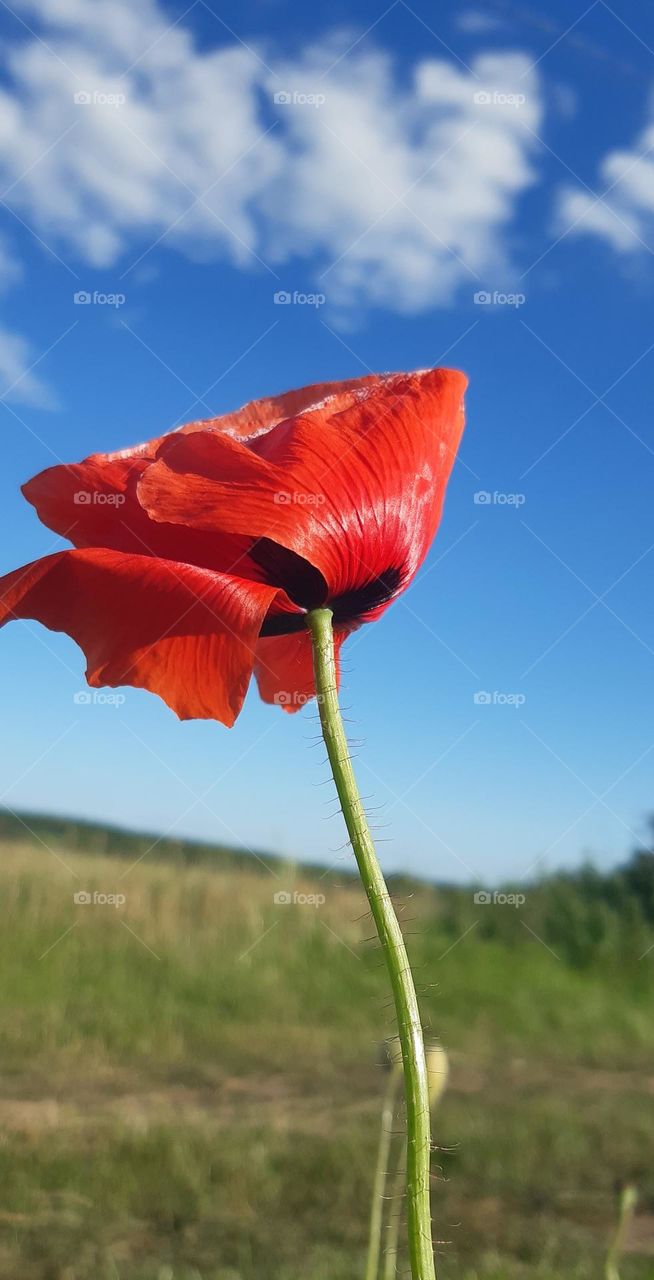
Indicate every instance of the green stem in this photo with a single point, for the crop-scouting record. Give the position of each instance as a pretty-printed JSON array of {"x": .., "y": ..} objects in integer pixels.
[
  {"x": 421, "y": 1252},
  {"x": 381, "y": 1172}
]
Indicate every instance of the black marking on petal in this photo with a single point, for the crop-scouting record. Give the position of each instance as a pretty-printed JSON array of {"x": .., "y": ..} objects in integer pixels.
[
  {"x": 350, "y": 606},
  {"x": 361, "y": 600},
  {"x": 284, "y": 624},
  {"x": 283, "y": 568}
]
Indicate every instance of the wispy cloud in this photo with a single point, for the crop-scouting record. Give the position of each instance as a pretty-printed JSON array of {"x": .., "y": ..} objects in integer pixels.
[
  {"x": 621, "y": 208},
  {"x": 17, "y": 380},
  {"x": 121, "y": 136}
]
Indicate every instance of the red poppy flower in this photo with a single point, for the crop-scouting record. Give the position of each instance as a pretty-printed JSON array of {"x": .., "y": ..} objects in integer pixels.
[{"x": 198, "y": 554}]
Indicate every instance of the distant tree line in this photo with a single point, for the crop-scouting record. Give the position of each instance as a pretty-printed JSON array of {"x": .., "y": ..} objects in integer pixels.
[{"x": 582, "y": 915}]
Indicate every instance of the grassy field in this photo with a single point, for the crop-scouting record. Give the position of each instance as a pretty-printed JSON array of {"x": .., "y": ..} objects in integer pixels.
[{"x": 190, "y": 1080}]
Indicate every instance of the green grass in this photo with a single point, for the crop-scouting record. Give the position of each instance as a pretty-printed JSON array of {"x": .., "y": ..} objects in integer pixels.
[{"x": 189, "y": 1085}]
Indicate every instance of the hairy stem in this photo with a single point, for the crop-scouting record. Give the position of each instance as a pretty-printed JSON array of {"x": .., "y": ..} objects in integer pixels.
[{"x": 421, "y": 1252}]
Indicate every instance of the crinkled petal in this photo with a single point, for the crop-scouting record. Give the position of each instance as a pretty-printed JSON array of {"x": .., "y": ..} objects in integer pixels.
[
  {"x": 357, "y": 492},
  {"x": 184, "y": 633},
  {"x": 259, "y": 417},
  {"x": 94, "y": 504}
]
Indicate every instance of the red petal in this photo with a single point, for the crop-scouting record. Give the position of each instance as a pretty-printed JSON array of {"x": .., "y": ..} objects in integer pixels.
[
  {"x": 284, "y": 667},
  {"x": 184, "y": 633},
  {"x": 94, "y": 504},
  {"x": 356, "y": 491},
  {"x": 261, "y": 416}
]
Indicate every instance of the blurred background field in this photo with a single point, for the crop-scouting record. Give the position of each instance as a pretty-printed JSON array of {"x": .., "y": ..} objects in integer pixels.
[{"x": 190, "y": 1079}]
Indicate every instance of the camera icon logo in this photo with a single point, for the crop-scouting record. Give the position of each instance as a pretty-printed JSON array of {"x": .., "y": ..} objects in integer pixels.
[
  {"x": 482, "y": 698},
  {"x": 483, "y": 98},
  {"x": 282, "y": 898},
  {"x": 82, "y": 898},
  {"x": 282, "y": 98},
  {"x": 482, "y": 298},
  {"x": 482, "y": 498},
  {"x": 83, "y": 698},
  {"x": 282, "y": 298},
  {"x": 82, "y": 98},
  {"x": 482, "y": 898},
  {"x": 82, "y": 298}
]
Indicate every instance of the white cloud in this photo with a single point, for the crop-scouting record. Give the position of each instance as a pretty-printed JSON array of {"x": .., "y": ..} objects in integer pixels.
[
  {"x": 476, "y": 21},
  {"x": 624, "y": 217},
  {"x": 411, "y": 188},
  {"x": 17, "y": 381},
  {"x": 401, "y": 189}
]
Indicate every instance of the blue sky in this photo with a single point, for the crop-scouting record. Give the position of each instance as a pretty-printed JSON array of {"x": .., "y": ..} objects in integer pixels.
[{"x": 506, "y": 152}]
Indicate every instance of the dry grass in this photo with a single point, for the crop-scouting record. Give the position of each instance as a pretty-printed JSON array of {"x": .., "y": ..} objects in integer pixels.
[{"x": 189, "y": 1083}]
